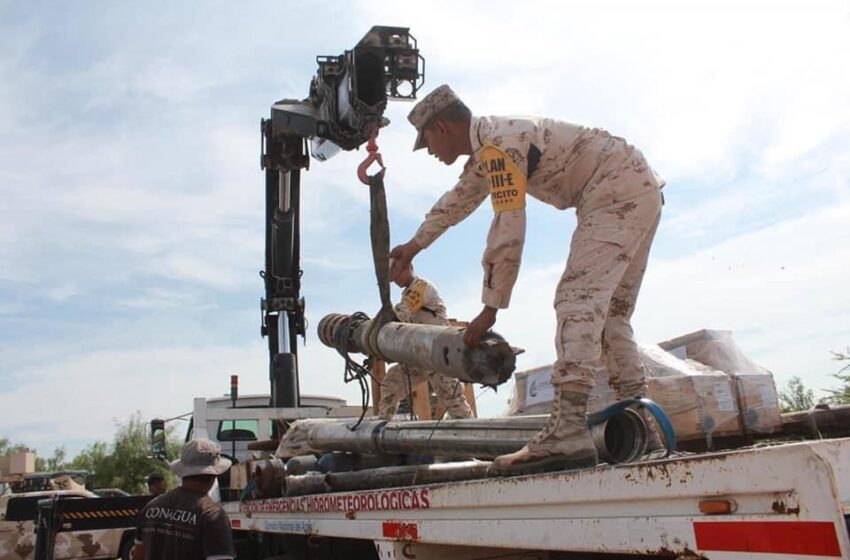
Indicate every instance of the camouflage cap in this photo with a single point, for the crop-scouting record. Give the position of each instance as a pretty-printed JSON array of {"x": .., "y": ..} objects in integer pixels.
[{"x": 430, "y": 105}]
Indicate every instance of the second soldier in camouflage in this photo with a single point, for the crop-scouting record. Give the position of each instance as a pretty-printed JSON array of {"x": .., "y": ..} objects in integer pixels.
[{"x": 420, "y": 303}]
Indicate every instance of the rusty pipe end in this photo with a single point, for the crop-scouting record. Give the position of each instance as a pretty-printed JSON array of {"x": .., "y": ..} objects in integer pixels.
[
  {"x": 492, "y": 362},
  {"x": 328, "y": 327},
  {"x": 336, "y": 326}
]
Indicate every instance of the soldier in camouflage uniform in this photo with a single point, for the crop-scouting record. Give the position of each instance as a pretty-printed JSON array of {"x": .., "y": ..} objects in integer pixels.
[
  {"x": 617, "y": 198},
  {"x": 420, "y": 303}
]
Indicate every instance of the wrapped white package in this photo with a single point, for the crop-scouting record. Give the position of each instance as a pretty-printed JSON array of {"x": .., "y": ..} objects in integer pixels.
[
  {"x": 755, "y": 390},
  {"x": 699, "y": 401}
]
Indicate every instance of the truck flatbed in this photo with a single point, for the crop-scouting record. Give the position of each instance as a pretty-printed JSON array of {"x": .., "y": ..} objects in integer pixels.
[{"x": 775, "y": 502}]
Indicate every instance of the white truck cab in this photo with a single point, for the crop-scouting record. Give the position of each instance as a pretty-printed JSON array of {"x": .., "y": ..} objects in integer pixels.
[{"x": 252, "y": 420}]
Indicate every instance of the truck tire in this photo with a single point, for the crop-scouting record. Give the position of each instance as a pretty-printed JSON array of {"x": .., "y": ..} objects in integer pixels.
[{"x": 127, "y": 547}]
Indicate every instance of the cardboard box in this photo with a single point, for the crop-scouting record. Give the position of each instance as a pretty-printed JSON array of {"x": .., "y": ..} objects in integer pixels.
[
  {"x": 757, "y": 398},
  {"x": 660, "y": 363},
  {"x": 533, "y": 392},
  {"x": 240, "y": 475},
  {"x": 701, "y": 402},
  {"x": 22, "y": 463},
  {"x": 713, "y": 348},
  {"x": 699, "y": 406},
  {"x": 755, "y": 389}
]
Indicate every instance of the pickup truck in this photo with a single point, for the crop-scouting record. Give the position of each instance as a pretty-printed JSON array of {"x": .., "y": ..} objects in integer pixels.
[{"x": 18, "y": 514}]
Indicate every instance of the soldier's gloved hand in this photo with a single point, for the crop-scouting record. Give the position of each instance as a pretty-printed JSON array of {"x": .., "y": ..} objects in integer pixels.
[
  {"x": 401, "y": 256},
  {"x": 480, "y": 325}
]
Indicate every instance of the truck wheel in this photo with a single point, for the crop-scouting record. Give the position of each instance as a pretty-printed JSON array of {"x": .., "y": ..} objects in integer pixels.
[{"x": 127, "y": 548}]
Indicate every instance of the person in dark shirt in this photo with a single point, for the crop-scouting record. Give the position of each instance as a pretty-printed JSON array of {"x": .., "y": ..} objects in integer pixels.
[
  {"x": 185, "y": 523},
  {"x": 157, "y": 485}
]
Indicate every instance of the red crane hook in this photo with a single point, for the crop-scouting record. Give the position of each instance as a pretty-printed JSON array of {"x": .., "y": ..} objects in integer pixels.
[{"x": 374, "y": 156}]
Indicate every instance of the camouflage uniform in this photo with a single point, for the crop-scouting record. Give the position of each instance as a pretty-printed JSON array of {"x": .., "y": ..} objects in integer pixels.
[
  {"x": 420, "y": 303},
  {"x": 618, "y": 205},
  {"x": 17, "y": 542}
]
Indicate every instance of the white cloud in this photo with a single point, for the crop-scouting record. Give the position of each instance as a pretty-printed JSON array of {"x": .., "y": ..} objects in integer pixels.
[
  {"x": 199, "y": 271},
  {"x": 85, "y": 393},
  {"x": 63, "y": 292},
  {"x": 140, "y": 168},
  {"x": 694, "y": 85},
  {"x": 159, "y": 299},
  {"x": 11, "y": 308},
  {"x": 780, "y": 290}
]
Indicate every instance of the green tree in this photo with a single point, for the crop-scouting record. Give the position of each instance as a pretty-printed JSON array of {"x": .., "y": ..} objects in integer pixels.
[
  {"x": 95, "y": 459},
  {"x": 57, "y": 461},
  {"x": 8, "y": 448},
  {"x": 842, "y": 394},
  {"x": 796, "y": 396},
  {"x": 126, "y": 463},
  {"x": 41, "y": 464}
]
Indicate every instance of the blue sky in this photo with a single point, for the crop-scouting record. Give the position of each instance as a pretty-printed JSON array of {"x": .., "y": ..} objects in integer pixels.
[{"x": 133, "y": 200}]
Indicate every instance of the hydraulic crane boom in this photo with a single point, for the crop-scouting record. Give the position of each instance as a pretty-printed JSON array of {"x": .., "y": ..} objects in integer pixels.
[{"x": 345, "y": 106}]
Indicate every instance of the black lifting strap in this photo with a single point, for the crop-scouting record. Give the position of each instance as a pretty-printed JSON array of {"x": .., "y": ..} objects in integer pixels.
[
  {"x": 379, "y": 231},
  {"x": 380, "y": 234}
]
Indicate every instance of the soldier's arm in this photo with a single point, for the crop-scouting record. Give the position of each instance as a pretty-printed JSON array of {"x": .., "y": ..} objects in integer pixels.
[
  {"x": 505, "y": 162},
  {"x": 455, "y": 205},
  {"x": 502, "y": 257},
  {"x": 501, "y": 266},
  {"x": 138, "y": 552},
  {"x": 402, "y": 312}
]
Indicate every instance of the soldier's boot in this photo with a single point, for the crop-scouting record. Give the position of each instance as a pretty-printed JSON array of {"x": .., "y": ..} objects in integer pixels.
[
  {"x": 387, "y": 405},
  {"x": 654, "y": 443},
  {"x": 451, "y": 396},
  {"x": 458, "y": 411},
  {"x": 564, "y": 443},
  {"x": 455, "y": 403}
]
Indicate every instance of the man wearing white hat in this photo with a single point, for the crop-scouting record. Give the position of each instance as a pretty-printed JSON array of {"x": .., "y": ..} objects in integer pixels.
[
  {"x": 185, "y": 523},
  {"x": 618, "y": 201}
]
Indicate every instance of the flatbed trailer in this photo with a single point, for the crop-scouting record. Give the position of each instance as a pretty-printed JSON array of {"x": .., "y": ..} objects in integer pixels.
[{"x": 775, "y": 502}]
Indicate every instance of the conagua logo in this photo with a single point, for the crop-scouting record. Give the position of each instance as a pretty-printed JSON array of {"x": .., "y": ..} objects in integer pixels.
[{"x": 174, "y": 515}]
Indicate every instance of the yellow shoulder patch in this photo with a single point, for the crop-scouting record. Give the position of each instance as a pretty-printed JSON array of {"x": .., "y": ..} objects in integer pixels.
[
  {"x": 506, "y": 180},
  {"x": 414, "y": 296}
]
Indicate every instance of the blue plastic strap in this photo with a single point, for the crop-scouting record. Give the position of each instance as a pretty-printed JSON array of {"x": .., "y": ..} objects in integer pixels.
[
  {"x": 663, "y": 421},
  {"x": 610, "y": 412},
  {"x": 651, "y": 406}
]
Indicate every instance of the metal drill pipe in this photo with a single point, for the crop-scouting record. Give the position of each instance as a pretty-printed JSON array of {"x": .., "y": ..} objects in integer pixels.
[
  {"x": 384, "y": 477},
  {"x": 620, "y": 439},
  {"x": 389, "y": 477},
  {"x": 428, "y": 347}
]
